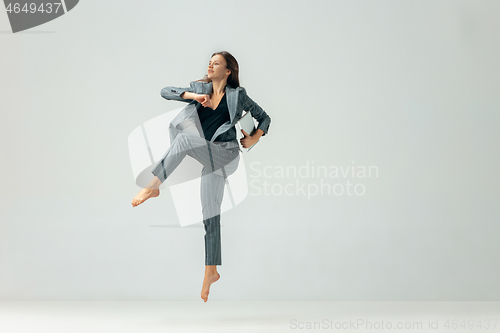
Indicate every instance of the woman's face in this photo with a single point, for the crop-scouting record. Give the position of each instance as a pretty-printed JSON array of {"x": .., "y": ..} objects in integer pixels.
[{"x": 217, "y": 68}]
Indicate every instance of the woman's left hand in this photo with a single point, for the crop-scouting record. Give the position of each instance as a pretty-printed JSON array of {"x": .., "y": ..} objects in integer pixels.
[{"x": 247, "y": 141}]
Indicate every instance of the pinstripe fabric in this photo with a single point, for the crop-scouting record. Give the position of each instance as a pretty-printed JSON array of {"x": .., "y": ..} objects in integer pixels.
[
  {"x": 219, "y": 159},
  {"x": 218, "y": 163}
]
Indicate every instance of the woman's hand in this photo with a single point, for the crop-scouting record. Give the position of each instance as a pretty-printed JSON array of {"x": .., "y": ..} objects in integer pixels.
[
  {"x": 204, "y": 100},
  {"x": 247, "y": 141}
]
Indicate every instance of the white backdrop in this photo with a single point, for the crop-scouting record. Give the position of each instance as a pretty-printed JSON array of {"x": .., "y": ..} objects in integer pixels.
[{"x": 409, "y": 89}]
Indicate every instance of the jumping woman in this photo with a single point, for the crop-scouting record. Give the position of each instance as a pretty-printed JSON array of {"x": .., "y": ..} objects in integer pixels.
[{"x": 217, "y": 102}]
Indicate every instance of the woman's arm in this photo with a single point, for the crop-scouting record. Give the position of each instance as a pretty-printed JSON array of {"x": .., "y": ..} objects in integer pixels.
[
  {"x": 257, "y": 112},
  {"x": 174, "y": 93}
]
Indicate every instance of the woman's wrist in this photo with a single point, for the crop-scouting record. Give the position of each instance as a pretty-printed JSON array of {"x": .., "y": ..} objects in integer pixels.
[
  {"x": 258, "y": 133},
  {"x": 188, "y": 95}
]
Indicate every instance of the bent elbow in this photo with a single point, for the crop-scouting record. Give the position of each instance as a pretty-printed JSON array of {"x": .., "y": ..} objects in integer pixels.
[{"x": 164, "y": 93}]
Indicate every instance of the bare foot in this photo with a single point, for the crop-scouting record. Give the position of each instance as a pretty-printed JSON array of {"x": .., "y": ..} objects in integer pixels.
[
  {"x": 209, "y": 279},
  {"x": 143, "y": 195}
]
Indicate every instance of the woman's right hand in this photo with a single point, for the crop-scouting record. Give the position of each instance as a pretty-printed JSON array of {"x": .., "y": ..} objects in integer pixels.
[{"x": 204, "y": 100}]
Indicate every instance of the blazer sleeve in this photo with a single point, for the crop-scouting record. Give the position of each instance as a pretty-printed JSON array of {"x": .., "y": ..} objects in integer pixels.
[
  {"x": 173, "y": 93},
  {"x": 257, "y": 112}
]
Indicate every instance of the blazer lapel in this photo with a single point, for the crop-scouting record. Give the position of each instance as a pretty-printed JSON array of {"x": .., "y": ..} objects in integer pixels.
[{"x": 231, "y": 98}]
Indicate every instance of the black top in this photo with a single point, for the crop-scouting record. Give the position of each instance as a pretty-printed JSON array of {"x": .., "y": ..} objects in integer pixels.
[{"x": 211, "y": 120}]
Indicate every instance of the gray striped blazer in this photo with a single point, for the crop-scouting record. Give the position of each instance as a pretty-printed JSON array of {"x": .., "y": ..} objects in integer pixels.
[{"x": 237, "y": 101}]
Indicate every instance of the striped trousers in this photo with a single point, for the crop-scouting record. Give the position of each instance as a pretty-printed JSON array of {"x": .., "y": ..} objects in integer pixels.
[{"x": 218, "y": 163}]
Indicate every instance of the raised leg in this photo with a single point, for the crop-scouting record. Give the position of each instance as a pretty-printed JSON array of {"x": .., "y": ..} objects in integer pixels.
[{"x": 206, "y": 152}]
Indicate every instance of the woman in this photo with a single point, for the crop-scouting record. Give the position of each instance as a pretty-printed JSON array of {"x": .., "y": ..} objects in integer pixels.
[{"x": 219, "y": 102}]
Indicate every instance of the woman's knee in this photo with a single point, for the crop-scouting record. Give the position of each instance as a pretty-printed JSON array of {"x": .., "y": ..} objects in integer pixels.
[
  {"x": 180, "y": 136},
  {"x": 189, "y": 138},
  {"x": 181, "y": 139}
]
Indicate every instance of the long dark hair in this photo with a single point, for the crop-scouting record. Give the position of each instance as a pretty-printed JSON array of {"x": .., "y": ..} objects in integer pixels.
[{"x": 233, "y": 79}]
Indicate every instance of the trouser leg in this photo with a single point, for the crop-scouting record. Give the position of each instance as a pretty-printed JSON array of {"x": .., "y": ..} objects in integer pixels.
[{"x": 212, "y": 192}]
